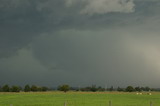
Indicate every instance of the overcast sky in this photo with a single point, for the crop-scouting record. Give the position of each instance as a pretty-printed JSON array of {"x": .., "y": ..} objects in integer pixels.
[{"x": 80, "y": 42}]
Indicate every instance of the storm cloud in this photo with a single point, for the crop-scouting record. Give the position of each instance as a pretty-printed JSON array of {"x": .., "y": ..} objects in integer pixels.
[
  {"x": 80, "y": 42},
  {"x": 103, "y": 6}
]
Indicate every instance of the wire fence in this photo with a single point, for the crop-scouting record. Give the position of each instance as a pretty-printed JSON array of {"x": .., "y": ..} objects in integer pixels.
[{"x": 107, "y": 104}]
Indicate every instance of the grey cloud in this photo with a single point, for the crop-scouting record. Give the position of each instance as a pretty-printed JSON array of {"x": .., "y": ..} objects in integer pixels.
[
  {"x": 21, "y": 68},
  {"x": 13, "y": 4},
  {"x": 101, "y": 57},
  {"x": 63, "y": 46},
  {"x": 103, "y": 6}
]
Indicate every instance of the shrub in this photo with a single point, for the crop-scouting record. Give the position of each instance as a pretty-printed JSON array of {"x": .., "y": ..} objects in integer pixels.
[
  {"x": 64, "y": 88},
  {"x": 5, "y": 88},
  {"x": 34, "y": 88},
  {"x": 27, "y": 88},
  {"x": 129, "y": 89},
  {"x": 15, "y": 89}
]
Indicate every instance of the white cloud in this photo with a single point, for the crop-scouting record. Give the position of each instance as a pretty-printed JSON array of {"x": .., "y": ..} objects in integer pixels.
[{"x": 104, "y": 6}]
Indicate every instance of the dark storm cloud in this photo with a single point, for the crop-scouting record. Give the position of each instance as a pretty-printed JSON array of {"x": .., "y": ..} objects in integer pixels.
[
  {"x": 76, "y": 42},
  {"x": 19, "y": 24},
  {"x": 108, "y": 58}
]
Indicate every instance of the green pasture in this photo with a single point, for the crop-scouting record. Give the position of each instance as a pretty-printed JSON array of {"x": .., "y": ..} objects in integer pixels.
[{"x": 78, "y": 99}]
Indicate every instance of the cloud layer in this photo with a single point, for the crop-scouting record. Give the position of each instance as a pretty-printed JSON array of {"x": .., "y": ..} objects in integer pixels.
[
  {"x": 105, "y": 42},
  {"x": 103, "y": 6}
]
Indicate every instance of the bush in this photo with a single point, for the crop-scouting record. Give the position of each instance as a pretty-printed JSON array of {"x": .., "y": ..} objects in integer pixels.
[
  {"x": 64, "y": 88},
  {"x": 15, "y": 89},
  {"x": 138, "y": 89},
  {"x": 0, "y": 89},
  {"x": 119, "y": 89},
  {"x": 147, "y": 89},
  {"x": 129, "y": 89},
  {"x": 34, "y": 88},
  {"x": 100, "y": 88},
  {"x": 27, "y": 88},
  {"x": 93, "y": 88},
  {"x": 111, "y": 88},
  {"x": 5, "y": 88},
  {"x": 44, "y": 88}
]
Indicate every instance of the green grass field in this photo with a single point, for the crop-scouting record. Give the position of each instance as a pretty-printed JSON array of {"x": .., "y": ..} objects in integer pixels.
[{"x": 78, "y": 99}]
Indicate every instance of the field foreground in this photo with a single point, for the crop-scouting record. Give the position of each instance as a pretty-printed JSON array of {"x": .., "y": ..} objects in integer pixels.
[{"x": 78, "y": 99}]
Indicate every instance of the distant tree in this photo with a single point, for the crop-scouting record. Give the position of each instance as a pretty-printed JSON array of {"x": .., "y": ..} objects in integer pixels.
[
  {"x": 129, "y": 89},
  {"x": 147, "y": 89},
  {"x": 0, "y": 89},
  {"x": 27, "y": 88},
  {"x": 100, "y": 88},
  {"x": 111, "y": 88},
  {"x": 138, "y": 89},
  {"x": 142, "y": 88},
  {"x": 74, "y": 88},
  {"x": 44, "y": 88},
  {"x": 154, "y": 89},
  {"x": 34, "y": 88},
  {"x": 64, "y": 88},
  {"x": 93, "y": 88},
  {"x": 86, "y": 89},
  {"x": 82, "y": 89},
  {"x": 119, "y": 89},
  {"x": 15, "y": 89},
  {"x": 20, "y": 88},
  {"x": 39, "y": 88},
  {"x": 5, "y": 88}
]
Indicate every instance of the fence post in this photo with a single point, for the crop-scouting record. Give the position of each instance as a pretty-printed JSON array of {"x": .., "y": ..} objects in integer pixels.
[
  {"x": 110, "y": 103},
  {"x": 65, "y": 104},
  {"x": 151, "y": 103}
]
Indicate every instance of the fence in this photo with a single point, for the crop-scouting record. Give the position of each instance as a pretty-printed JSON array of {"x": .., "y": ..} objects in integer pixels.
[{"x": 109, "y": 103}]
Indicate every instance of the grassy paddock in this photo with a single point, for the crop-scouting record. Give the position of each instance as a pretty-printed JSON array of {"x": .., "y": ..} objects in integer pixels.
[{"x": 78, "y": 99}]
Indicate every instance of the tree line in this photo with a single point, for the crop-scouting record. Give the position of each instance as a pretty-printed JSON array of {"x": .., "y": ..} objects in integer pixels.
[
  {"x": 27, "y": 88},
  {"x": 65, "y": 88},
  {"x": 94, "y": 88}
]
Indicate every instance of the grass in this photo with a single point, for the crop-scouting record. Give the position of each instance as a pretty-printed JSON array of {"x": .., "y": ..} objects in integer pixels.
[{"x": 78, "y": 99}]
